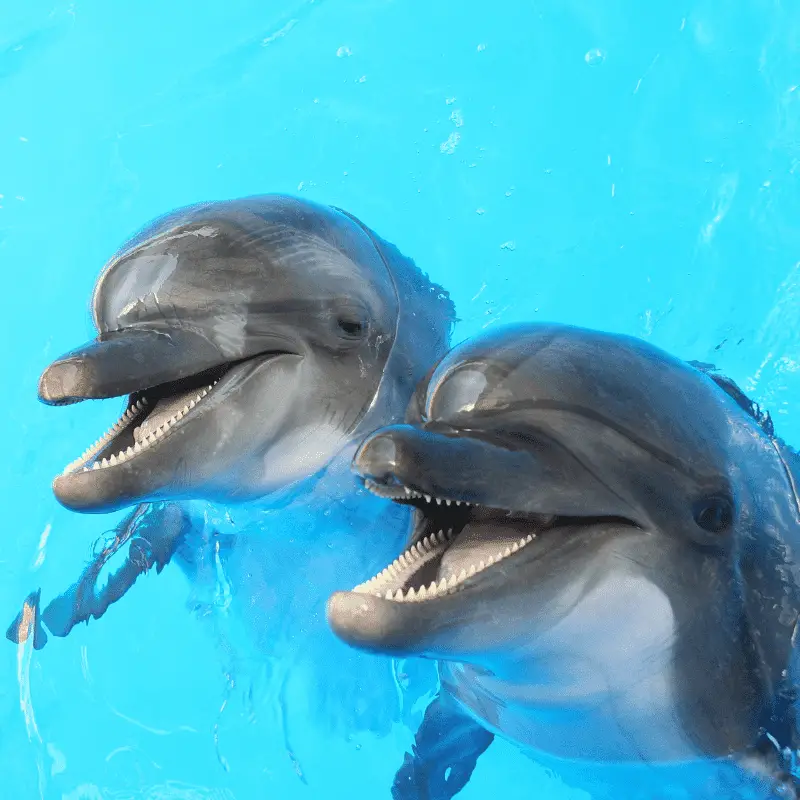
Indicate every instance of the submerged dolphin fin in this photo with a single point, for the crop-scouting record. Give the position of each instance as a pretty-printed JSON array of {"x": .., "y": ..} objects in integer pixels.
[
  {"x": 28, "y": 623},
  {"x": 443, "y": 757},
  {"x": 155, "y": 531}
]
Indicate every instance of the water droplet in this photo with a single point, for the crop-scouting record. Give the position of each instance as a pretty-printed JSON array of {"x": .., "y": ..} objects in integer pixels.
[
  {"x": 480, "y": 210},
  {"x": 594, "y": 57},
  {"x": 481, "y": 48},
  {"x": 450, "y": 100},
  {"x": 509, "y": 245},
  {"x": 343, "y": 51}
]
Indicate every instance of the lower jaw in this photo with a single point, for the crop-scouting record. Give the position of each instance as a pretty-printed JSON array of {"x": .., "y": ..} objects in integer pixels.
[
  {"x": 97, "y": 485},
  {"x": 92, "y": 493}
]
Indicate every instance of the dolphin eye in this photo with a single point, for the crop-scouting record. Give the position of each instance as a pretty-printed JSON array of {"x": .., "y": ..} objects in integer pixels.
[
  {"x": 351, "y": 327},
  {"x": 714, "y": 514}
]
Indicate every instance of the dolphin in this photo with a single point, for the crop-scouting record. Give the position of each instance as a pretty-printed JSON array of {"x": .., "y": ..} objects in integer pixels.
[
  {"x": 603, "y": 561},
  {"x": 256, "y": 341}
]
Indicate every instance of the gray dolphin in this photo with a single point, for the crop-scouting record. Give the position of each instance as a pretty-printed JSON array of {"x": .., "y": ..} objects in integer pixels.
[
  {"x": 603, "y": 560},
  {"x": 257, "y": 340}
]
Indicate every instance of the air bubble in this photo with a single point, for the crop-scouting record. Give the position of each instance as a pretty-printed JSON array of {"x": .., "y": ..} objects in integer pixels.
[{"x": 594, "y": 57}]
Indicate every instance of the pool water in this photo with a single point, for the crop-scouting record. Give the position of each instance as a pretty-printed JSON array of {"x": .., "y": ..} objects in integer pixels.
[{"x": 621, "y": 165}]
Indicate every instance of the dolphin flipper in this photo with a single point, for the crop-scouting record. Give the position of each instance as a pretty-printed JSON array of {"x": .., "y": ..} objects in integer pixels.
[
  {"x": 443, "y": 756},
  {"x": 28, "y": 623},
  {"x": 155, "y": 531}
]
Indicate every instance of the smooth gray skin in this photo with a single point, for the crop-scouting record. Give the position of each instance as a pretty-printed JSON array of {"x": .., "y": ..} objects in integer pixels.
[
  {"x": 654, "y": 619},
  {"x": 326, "y": 328}
]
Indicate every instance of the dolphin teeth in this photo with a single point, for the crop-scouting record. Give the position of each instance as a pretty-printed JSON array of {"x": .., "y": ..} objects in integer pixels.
[
  {"x": 439, "y": 501},
  {"x": 442, "y": 585},
  {"x": 422, "y": 594},
  {"x": 514, "y": 547},
  {"x": 410, "y": 595},
  {"x": 481, "y": 566},
  {"x": 407, "y": 490},
  {"x": 462, "y": 576},
  {"x": 398, "y": 595},
  {"x": 452, "y": 582},
  {"x": 458, "y": 502},
  {"x": 472, "y": 571},
  {"x": 427, "y": 498},
  {"x": 124, "y": 422},
  {"x": 388, "y": 595},
  {"x": 529, "y": 538},
  {"x": 507, "y": 552},
  {"x": 448, "y": 502}
]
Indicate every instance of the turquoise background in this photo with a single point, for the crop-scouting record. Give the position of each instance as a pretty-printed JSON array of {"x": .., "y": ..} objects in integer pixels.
[{"x": 616, "y": 164}]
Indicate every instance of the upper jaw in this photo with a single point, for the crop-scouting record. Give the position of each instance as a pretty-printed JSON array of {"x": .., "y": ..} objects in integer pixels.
[{"x": 124, "y": 362}]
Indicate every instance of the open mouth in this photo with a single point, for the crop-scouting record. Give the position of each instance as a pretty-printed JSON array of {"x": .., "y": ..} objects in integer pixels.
[
  {"x": 455, "y": 545},
  {"x": 152, "y": 414}
]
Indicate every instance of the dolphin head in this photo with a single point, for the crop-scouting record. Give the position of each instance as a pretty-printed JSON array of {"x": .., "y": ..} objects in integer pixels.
[
  {"x": 549, "y": 464},
  {"x": 252, "y": 338}
]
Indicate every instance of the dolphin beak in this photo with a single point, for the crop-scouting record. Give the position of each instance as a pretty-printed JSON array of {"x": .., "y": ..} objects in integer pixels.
[{"x": 125, "y": 362}]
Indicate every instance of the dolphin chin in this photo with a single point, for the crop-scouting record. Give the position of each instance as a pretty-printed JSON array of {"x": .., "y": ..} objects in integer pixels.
[{"x": 140, "y": 454}]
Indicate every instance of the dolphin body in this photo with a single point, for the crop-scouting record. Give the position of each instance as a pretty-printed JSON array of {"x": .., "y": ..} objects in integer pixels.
[
  {"x": 603, "y": 563},
  {"x": 257, "y": 340}
]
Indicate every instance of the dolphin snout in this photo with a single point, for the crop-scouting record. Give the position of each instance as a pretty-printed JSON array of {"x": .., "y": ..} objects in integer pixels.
[
  {"x": 378, "y": 457},
  {"x": 63, "y": 382}
]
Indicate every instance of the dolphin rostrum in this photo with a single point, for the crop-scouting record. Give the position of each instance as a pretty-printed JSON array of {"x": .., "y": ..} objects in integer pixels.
[{"x": 603, "y": 561}]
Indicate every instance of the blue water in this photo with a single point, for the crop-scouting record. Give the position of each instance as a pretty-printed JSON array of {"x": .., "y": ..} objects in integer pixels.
[{"x": 616, "y": 164}]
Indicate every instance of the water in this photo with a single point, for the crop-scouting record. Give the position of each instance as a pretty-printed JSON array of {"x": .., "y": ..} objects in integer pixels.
[{"x": 614, "y": 164}]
